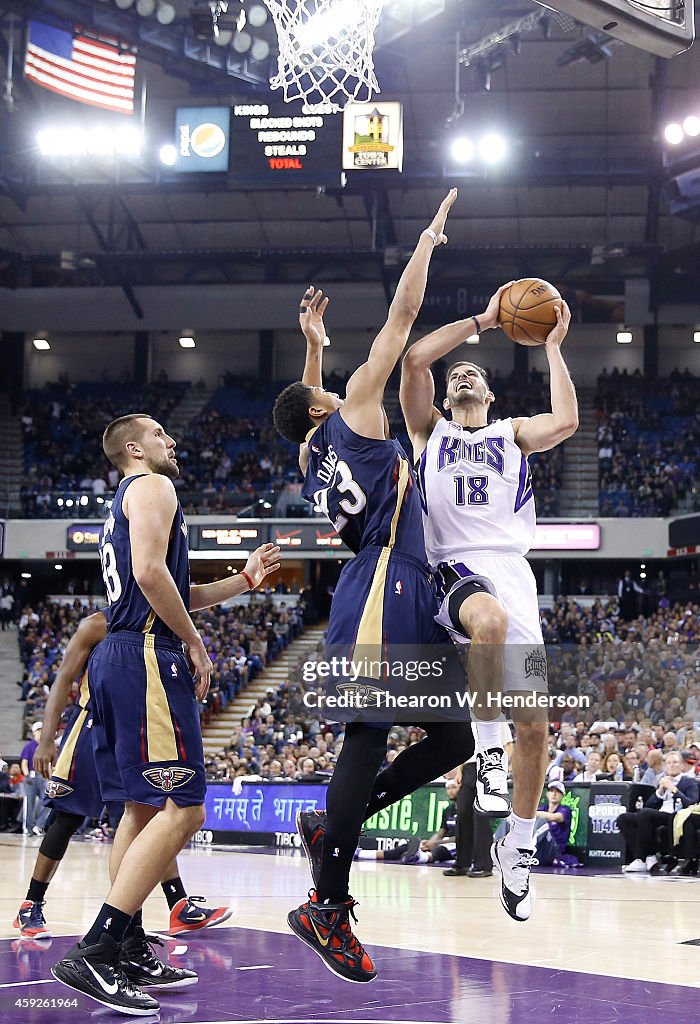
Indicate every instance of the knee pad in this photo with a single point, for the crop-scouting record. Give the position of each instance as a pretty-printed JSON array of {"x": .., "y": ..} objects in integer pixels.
[
  {"x": 55, "y": 842},
  {"x": 459, "y": 597}
]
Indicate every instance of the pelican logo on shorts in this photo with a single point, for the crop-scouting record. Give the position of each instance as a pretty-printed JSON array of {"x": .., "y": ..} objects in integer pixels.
[
  {"x": 360, "y": 695},
  {"x": 535, "y": 664},
  {"x": 168, "y": 779},
  {"x": 55, "y": 789}
]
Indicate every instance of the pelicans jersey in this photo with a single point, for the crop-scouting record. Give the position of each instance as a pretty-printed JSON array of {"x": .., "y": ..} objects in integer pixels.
[
  {"x": 477, "y": 492},
  {"x": 146, "y": 733},
  {"x": 128, "y": 608},
  {"x": 365, "y": 487}
]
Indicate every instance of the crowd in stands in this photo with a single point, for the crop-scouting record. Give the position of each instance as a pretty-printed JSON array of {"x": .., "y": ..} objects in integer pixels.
[
  {"x": 648, "y": 435},
  {"x": 230, "y": 454}
]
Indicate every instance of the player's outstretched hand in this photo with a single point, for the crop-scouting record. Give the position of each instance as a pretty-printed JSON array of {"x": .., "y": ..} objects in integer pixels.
[
  {"x": 558, "y": 333},
  {"x": 438, "y": 222},
  {"x": 489, "y": 318},
  {"x": 262, "y": 562},
  {"x": 201, "y": 666},
  {"x": 311, "y": 309},
  {"x": 44, "y": 757}
]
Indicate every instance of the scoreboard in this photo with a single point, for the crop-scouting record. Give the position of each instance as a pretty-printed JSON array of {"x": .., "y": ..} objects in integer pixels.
[{"x": 273, "y": 144}]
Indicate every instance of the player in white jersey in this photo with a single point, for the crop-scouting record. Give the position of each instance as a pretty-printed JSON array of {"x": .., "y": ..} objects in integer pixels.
[{"x": 479, "y": 519}]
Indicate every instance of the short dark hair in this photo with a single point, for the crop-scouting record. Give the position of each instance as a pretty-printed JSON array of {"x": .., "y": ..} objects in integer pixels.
[
  {"x": 291, "y": 412},
  {"x": 467, "y": 362},
  {"x": 117, "y": 434}
]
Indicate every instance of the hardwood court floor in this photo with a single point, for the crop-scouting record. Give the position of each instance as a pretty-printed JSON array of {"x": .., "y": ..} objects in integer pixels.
[{"x": 598, "y": 947}]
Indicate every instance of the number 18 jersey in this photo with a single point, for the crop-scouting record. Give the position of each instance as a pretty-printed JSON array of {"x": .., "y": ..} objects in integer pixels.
[
  {"x": 129, "y": 608},
  {"x": 476, "y": 490}
]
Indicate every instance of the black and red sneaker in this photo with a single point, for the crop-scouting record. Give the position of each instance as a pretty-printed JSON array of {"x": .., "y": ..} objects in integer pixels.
[
  {"x": 325, "y": 927},
  {"x": 186, "y": 917},
  {"x": 311, "y": 826}
]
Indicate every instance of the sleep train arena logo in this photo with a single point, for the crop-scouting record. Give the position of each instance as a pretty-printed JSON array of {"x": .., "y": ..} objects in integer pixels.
[{"x": 207, "y": 140}]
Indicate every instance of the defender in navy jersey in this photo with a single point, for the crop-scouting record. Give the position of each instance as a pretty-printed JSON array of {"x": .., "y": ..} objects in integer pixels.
[
  {"x": 361, "y": 478},
  {"x": 144, "y": 699},
  {"x": 73, "y": 790},
  {"x": 479, "y": 524}
]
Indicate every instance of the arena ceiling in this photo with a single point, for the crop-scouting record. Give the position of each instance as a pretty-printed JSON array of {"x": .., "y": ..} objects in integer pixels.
[{"x": 582, "y": 191}]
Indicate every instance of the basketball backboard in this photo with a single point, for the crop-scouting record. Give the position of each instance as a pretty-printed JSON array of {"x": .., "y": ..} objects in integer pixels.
[{"x": 663, "y": 27}]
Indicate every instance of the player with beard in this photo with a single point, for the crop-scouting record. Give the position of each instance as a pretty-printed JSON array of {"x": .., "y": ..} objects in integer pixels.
[
  {"x": 143, "y": 691},
  {"x": 479, "y": 520}
]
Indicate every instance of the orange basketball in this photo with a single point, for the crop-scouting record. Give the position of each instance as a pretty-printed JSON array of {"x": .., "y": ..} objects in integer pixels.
[{"x": 528, "y": 310}]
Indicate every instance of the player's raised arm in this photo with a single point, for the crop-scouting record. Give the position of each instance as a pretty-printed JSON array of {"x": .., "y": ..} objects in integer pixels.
[
  {"x": 417, "y": 392},
  {"x": 90, "y": 632},
  {"x": 366, "y": 386},
  {"x": 540, "y": 433},
  {"x": 262, "y": 562},
  {"x": 311, "y": 309}
]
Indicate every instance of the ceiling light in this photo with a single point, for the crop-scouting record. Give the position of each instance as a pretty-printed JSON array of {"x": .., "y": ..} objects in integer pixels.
[
  {"x": 223, "y": 36},
  {"x": 673, "y": 133},
  {"x": 165, "y": 14},
  {"x": 41, "y": 345},
  {"x": 696, "y": 337},
  {"x": 257, "y": 16},
  {"x": 492, "y": 148},
  {"x": 242, "y": 42},
  {"x": 145, "y": 7},
  {"x": 260, "y": 49},
  {"x": 26, "y": 575},
  {"x": 691, "y": 126},
  {"x": 58, "y": 566},
  {"x": 187, "y": 341},
  {"x": 124, "y": 5},
  {"x": 624, "y": 337},
  {"x": 462, "y": 150},
  {"x": 168, "y": 155}
]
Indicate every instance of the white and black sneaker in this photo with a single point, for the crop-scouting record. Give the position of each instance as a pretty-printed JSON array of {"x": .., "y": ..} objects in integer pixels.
[
  {"x": 143, "y": 968},
  {"x": 513, "y": 865},
  {"x": 492, "y": 799},
  {"x": 96, "y": 972}
]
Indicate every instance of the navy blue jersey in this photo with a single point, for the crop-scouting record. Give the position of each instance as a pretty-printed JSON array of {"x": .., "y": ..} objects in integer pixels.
[
  {"x": 128, "y": 607},
  {"x": 366, "y": 488}
]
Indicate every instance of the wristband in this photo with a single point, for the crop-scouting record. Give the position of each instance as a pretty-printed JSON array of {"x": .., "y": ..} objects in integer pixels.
[
  {"x": 429, "y": 231},
  {"x": 478, "y": 328},
  {"x": 247, "y": 578}
]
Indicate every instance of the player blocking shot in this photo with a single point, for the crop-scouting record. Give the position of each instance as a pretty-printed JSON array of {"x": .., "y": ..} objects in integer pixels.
[
  {"x": 479, "y": 517},
  {"x": 145, "y": 679},
  {"x": 362, "y": 479}
]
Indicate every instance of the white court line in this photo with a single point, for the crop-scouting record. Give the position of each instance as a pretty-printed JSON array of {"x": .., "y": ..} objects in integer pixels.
[
  {"x": 18, "y": 984},
  {"x": 257, "y": 967}
]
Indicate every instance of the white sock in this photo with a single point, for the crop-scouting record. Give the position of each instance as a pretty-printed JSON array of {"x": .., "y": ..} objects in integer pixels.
[
  {"x": 366, "y": 854},
  {"x": 520, "y": 834},
  {"x": 488, "y": 734},
  {"x": 423, "y": 857},
  {"x": 651, "y": 861}
]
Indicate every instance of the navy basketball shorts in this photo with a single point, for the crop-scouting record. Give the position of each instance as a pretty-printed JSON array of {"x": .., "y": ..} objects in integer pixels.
[
  {"x": 383, "y": 615},
  {"x": 74, "y": 787},
  {"x": 146, "y": 732}
]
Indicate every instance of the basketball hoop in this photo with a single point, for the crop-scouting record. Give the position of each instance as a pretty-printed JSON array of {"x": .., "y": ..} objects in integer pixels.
[{"x": 325, "y": 51}]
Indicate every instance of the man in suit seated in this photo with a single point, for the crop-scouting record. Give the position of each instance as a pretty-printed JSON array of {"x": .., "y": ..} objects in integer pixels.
[{"x": 674, "y": 791}]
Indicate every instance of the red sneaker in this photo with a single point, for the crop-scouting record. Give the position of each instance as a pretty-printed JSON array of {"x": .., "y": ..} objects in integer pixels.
[
  {"x": 31, "y": 922},
  {"x": 325, "y": 927},
  {"x": 186, "y": 917}
]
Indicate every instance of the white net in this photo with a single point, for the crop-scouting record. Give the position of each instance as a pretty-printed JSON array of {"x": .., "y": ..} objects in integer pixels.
[{"x": 325, "y": 51}]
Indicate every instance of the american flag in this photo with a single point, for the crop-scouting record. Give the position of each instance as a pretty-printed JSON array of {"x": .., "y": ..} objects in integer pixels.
[{"x": 87, "y": 70}]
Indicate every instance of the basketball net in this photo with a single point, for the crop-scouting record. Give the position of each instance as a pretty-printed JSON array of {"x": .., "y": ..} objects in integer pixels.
[{"x": 325, "y": 51}]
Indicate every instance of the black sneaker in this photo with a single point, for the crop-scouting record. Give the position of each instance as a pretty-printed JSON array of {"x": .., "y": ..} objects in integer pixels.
[
  {"x": 311, "y": 826},
  {"x": 410, "y": 854},
  {"x": 143, "y": 968},
  {"x": 325, "y": 927},
  {"x": 96, "y": 972}
]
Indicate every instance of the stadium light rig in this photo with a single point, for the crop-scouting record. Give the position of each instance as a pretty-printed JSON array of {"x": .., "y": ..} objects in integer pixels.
[{"x": 100, "y": 142}]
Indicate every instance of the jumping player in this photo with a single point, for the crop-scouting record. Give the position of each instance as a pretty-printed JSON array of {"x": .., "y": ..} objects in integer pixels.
[
  {"x": 362, "y": 479},
  {"x": 73, "y": 793},
  {"x": 146, "y": 732},
  {"x": 479, "y": 524}
]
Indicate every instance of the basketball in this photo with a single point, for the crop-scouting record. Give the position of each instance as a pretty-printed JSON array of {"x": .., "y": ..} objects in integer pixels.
[{"x": 528, "y": 310}]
